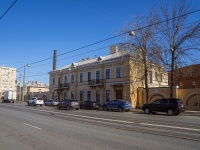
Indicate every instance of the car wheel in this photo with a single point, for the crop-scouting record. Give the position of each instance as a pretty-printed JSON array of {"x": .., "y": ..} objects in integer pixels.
[
  {"x": 120, "y": 109},
  {"x": 153, "y": 113},
  {"x": 41, "y": 105},
  {"x": 127, "y": 110},
  {"x": 28, "y": 104},
  {"x": 77, "y": 108},
  {"x": 105, "y": 108},
  {"x": 146, "y": 111},
  {"x": 67, "y": 107},
  {"x": 170, "y": 112},
  {"x": 58, "y": 107}
]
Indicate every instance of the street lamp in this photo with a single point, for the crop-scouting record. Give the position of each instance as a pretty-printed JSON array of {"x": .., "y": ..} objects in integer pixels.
[
  {"x": 19, "y": 89},
  {"x": 131, "y": 33},
  {"x": 23, "y": 91}
]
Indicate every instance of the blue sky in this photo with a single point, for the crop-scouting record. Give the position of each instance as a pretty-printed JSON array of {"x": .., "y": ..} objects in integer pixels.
[{"x": 32, "y": 29}]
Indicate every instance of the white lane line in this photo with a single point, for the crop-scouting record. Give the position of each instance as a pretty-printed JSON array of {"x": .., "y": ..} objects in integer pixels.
[
  {"x": 32, "y": 126},
  {"x": 77, "y": 115},
  {"x": 169, "y": 126}
]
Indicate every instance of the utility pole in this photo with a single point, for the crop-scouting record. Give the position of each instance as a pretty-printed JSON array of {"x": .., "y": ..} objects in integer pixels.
[{"x": 23, "y": 91}]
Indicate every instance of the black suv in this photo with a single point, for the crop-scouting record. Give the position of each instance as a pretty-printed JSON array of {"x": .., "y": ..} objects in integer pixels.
[
  {"x": 171, "y": 106},
  {"x": 68, "y": 104}
]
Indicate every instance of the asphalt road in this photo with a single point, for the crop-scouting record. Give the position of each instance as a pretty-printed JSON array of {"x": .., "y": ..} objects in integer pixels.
[{"x": 46, "y": 128}]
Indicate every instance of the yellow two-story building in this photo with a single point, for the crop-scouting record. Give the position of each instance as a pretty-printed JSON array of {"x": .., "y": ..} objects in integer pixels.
[{"x": 114, "y": 76}]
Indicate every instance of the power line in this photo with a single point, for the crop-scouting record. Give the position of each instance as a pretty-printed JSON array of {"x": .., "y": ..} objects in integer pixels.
[
  {"x": 118, "y": 35},
  {"x": 100, "y": 48},
  {"x": 8, "y": 9}
]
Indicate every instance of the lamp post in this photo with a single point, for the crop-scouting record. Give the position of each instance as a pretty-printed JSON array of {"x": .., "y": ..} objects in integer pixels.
[
  {"x": 20, "y": 94},
  {"x": 23, "y": 91}
]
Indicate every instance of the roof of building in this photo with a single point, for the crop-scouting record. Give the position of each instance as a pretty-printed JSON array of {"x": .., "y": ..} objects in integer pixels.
[{"x": 88, "y": 61}]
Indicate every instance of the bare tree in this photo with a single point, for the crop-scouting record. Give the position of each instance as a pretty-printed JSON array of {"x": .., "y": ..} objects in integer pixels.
[
  {"x": 178, "y": 37},
  {"x": 142, "y": 44}
]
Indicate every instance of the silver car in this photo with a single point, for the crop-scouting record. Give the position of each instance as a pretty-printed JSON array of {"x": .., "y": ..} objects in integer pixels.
[{"x": 51, "y": 103}]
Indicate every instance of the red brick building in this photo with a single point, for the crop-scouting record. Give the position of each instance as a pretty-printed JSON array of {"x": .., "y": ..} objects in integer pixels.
[{"x": 187, "y": 77}]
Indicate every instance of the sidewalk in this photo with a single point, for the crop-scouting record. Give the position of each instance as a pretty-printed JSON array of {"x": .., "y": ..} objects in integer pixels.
[{"x": 185, "y": 113}]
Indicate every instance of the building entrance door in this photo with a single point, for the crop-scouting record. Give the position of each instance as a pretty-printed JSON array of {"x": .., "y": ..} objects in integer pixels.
[{"x": 119, "y": 94}]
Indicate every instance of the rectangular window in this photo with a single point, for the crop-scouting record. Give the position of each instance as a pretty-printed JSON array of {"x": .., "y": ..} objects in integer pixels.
[
  {"x": 98, "y": 96},
  {"x": 161, "y": 77},
  {"x": 156, "y": 76},
  {"x": 72, "y": 78},
  {"x": 150, "y": 77},
  {"x": 72, "y": 94},
  {"x": 81, "y": 77},
  {"x": 181, "y": 84},
  {"x": 81, "y": 95},
  {"x": 58, "y": 80},
  {"x": 53, "y": 81},
  {"x": 65, "y": 79},
  {"x": 89, "y": 76},
  {"x": 107, "y": 95},
  {"x": 89, "y": 95},
  {"x": 119, "y": 72},
  {"x": 98, "y": 74},
  {"x": 107, "y": 73},
  {"x": 52, "y": 95}
]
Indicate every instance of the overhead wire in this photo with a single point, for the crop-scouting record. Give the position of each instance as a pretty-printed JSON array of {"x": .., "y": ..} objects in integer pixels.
[
  {"x": 8, "y": 9},
  {"x": 39, "y": 74},
  {"x": 45, "y": 73},
  {"x": 115, "y": 36},
  {"x": 101, "y": 48}
]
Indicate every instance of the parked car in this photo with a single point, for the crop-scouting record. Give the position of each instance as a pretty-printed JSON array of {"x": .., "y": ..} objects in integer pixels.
[
  {"x": 69, "y": 104},
  {"x": 51, "y": 103},
  {"x": 35, "y": 101},
  {"x": 89, "y": 105},
  {"x": 120, "y": 105},
  {"x": 171, "y": 106}
]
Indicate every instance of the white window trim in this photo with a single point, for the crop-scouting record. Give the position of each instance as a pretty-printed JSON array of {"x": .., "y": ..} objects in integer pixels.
[
  {"x": 80, "y": 77},
  {"x": 96, "y": 73},
  {"x": 87, "y": 75},
  {"x": 110, "y": 73},
  {"x": 71, "y": 78}
]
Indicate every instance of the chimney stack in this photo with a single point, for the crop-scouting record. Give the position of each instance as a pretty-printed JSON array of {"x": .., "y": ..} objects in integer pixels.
[
  {"x": 54, "y": 59},
  {"x": 113, "y": 49}
]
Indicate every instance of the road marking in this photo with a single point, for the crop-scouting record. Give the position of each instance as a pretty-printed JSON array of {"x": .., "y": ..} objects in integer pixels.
[
  {"x": 32, "y": 126},
  {"x": 169, "y": 126}
]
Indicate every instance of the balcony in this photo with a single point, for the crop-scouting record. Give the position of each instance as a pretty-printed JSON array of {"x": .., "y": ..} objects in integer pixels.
[
  {"x": 62, "y": 86},
  {"x": 96, "y": 82}
]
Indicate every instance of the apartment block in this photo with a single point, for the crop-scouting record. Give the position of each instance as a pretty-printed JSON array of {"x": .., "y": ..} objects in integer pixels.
[
  {"x": 7, "y": 79},
  {"x": 114, "y": 76}
]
